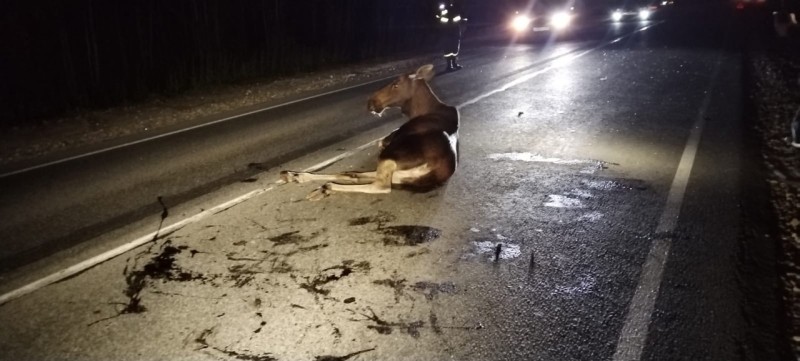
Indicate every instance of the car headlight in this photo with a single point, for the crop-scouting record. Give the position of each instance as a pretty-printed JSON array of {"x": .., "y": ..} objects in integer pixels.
[
  {"x": 616, "y": 15},
  {"x": 560, "y": 20},
  {"x": 520, "y": 23},
  {"x": 644, "y": 14}
]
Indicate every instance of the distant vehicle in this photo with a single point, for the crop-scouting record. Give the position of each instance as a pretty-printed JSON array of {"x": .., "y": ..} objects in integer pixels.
[
  {"x": 633, "y": 11},
  {"x": 554, "y": 17}
]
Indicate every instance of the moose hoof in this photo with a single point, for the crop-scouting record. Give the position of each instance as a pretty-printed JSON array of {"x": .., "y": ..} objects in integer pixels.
[
  {"x": 320, "y": 193},
  {"x": 290, "y": 177}
]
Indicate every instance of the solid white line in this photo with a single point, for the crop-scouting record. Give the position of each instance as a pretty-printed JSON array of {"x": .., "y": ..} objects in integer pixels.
[
  {"x": 103, "y": 257},
  {"x": 82, "y": 266},
  {"x": 548, "y": 68},
  {"x": 104, "y": 150},
  {"x": 635, "y": 330},
  {"x": 89, "y": 263}
]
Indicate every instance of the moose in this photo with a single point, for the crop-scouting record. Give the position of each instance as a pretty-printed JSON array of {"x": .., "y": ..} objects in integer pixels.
[{"x": 420, "y": 155}]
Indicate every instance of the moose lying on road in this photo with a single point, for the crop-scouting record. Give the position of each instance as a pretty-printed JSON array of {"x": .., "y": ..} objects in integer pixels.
[{"x": 420, "y": 155}]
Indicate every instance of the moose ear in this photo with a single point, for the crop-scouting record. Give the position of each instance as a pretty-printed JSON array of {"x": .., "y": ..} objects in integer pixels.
[{"x": 425, "y": 72}]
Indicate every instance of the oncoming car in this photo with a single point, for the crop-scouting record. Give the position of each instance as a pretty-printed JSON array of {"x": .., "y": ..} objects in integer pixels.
[
  {"x": 543, "y": 17},
  {"x": 633, "y": 11}
]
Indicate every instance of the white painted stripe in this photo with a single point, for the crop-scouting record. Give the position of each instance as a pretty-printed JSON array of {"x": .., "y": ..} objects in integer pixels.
[
  {"x": 568, "y": 56},
  {"x": 89, "y": 263},
  {"x": 104, "y": 150},
  {"x": 635, "y": 330},
  {"x": 82, "y": 266}
]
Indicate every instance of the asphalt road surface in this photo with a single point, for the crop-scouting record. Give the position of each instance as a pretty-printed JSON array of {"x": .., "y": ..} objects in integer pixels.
[{"x": 594, "y": 216}]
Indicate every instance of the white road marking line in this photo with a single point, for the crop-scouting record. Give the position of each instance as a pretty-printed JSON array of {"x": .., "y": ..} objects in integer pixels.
[
  {"x": 89, "y": 263},
  {"x": 569, "y": 57},
  {"x": 82, "y": 266},
  {"x": 635, "y": 330},
  {"x": 103, "y": 257},
  {"x": 104, "y": 150}
]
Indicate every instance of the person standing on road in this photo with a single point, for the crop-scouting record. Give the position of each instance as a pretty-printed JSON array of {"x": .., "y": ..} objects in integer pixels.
[
  {"x": 785, "y": 16},
  {"x": 451, "y": 21}
]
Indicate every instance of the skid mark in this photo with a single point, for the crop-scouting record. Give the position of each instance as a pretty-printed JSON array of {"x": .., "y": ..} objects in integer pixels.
[
  {"x": 396, "y": 283},
  {"x": 203, "y": 344},
  {"x": 161, "y": 267},
  {"x": 318, "y": 284},
  {"x": 342, "y": 358},
  {"x": 433, "y": 289},
  {"x": 401, "y": 235},
  {"x": 386, "y": 328}
]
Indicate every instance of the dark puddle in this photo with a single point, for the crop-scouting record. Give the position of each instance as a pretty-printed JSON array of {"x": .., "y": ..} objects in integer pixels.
[
  {"x": 409, "y": 235},
  {"x": 386, "y": 328},
  {"x": 332, "y": 274},
  {"x": 342, "y": 358}
]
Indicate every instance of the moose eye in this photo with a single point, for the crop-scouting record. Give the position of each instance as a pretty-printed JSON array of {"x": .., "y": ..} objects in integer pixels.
[{"x": 395, "y": 86}]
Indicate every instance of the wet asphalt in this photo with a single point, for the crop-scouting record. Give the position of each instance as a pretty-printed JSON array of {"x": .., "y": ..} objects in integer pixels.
[{"x": 532, "y": 251}]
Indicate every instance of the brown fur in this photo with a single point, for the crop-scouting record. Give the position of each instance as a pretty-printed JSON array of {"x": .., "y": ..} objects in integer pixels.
[{"x": 425, "y": 140}]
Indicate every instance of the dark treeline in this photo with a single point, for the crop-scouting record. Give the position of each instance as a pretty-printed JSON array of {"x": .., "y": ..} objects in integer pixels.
[{"x": 60, "y": 55}]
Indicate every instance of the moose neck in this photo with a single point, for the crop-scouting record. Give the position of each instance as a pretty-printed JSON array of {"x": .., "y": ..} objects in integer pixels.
[{"x": 423, "y": 101}]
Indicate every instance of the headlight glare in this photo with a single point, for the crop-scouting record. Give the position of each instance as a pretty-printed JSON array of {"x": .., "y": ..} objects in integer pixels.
[
  {"x": 520, "y": 23},
  {"x": 560, "y": 20}
]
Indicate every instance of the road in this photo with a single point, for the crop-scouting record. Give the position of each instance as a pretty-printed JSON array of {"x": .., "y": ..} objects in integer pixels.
[{"x": 607, "y": 169}]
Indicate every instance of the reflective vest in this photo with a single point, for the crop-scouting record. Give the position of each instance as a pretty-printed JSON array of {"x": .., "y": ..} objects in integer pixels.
[{"x": 449, "y": 14}]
